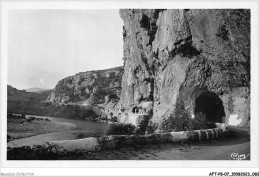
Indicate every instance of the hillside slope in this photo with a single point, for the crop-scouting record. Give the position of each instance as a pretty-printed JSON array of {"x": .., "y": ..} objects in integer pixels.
[
  {"x": 23, "y": 102},
  {"x": 86, "y": 95},
  {"x": 36, "y": 89},
  {"x": 88, "y": 88}
]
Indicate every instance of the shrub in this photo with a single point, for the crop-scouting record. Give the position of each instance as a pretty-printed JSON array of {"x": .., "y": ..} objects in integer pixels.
[
  {"x": 199, "y": 122},
  {"x": 121, "y": 129},
  {"x": 114, "y": 119},
  {"x": 180, "y": 120},
  {"x": 151, "y": 128},
  {"x": 143, "y": 123}
]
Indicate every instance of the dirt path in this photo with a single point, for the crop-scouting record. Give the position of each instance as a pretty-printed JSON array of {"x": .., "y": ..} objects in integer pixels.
[{"x": 239, "y": 142}]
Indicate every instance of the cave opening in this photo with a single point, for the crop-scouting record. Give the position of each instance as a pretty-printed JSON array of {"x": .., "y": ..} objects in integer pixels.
[
  {"x": 211, "y": 106},
  {"x": 135, "y": 110}
]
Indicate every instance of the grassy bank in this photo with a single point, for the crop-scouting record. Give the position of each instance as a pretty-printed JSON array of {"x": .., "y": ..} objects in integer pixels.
[{"x": 20, "y": 127}]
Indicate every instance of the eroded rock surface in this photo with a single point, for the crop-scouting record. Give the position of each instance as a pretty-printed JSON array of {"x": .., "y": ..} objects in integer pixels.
[
  {"x": 88, "y": 88},
  {"x": 182, "y": 55}
]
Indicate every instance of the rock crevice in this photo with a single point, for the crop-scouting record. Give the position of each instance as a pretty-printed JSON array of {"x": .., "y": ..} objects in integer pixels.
[{"x": 181, "y": 54}]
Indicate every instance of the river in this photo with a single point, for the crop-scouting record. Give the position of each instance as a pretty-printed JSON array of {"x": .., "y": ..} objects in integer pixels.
[{"x": 84, "y": 129}]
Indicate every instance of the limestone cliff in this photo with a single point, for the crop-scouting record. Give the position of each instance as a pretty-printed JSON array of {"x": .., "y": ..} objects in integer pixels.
[
  {"x": 88, "y": 88},
  {"x": 201, "y": 57}
]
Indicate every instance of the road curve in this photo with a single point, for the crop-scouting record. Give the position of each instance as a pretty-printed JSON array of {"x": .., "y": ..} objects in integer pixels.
[{"x": 238, "y": 142}]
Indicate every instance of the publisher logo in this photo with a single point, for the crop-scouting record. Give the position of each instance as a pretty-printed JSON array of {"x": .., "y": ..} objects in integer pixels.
[{"x": 237, "y": 156}]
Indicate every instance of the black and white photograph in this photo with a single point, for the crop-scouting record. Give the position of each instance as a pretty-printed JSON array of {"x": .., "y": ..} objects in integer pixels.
[{"x": 129, "y": 85}]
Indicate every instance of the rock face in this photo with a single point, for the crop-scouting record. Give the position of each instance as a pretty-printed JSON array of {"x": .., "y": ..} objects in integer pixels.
[
  {"x": 199, "y": 57},
  {"x": 88, "y": 88}
]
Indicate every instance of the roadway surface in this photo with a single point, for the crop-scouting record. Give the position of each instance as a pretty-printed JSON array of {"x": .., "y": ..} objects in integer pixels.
[{"x": 238, "y": 142}]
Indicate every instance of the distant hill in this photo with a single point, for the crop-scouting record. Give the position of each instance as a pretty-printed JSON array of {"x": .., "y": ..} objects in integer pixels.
[
  {"x": 13, "y": 91},
  {"x": 73, "y": 97},
  {"x": 21, "y": 101},
  {"x": 88, "y": 88},
  {"x": 33, "y": 103},
  {"x": 36, "y": 89}
]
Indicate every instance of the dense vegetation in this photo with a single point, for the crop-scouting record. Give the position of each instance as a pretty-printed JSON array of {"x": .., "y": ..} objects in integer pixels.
[
  {"x": 90, "y": 86},
  {"x": 86, "y": 88},
  {"x": 121, "y": 129},
  {"x": 181, "y": 120},
  {"x": 22, "y": 102}
]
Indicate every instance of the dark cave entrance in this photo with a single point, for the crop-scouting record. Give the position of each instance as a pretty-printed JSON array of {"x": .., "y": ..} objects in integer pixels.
[
  {"x": 135, "y": 110},
  {"x": 211, "y": 105}
]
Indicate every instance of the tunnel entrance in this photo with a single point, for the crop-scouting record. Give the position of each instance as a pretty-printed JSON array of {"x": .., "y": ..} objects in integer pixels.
[{"x": 211, "y": 105}]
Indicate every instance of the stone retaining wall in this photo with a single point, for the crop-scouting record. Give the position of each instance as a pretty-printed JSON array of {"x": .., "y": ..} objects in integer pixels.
[{"x": 52, "y": 149}]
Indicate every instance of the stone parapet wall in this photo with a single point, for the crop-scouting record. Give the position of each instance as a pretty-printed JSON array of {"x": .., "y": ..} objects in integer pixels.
[{"x": 56, "y": 148}]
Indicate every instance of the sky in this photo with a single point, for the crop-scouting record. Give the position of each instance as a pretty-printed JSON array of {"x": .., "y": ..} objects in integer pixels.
[{"x": 45, "y": 46}]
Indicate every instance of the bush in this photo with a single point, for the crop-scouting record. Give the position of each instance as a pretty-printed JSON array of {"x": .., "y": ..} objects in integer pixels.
[
  {"x": 199, "y": 122},
  {"x": 121, "y": 129},
  {"x": 143, "y": 124},
  {"x": 151, "y": 128},
  {"x": 180, "y": 120},
  {"x": 114, "y": 119}
]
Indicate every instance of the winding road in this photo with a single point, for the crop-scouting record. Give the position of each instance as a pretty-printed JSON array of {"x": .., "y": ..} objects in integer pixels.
[{"x": 238, "y": 142}]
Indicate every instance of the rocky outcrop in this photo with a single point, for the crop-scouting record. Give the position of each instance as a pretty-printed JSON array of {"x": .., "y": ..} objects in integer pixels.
[
  {"x": 198, "y": 57},
  {"x": 88, "y": 88}
]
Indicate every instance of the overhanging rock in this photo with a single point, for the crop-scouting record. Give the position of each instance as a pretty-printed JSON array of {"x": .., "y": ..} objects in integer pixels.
[{"x": 180, "y": 54}]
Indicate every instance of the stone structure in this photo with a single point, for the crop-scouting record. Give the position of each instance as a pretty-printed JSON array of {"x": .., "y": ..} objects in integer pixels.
[
  {"x": 201, "y": 57},
  {"x": 54, "y": 149}
]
